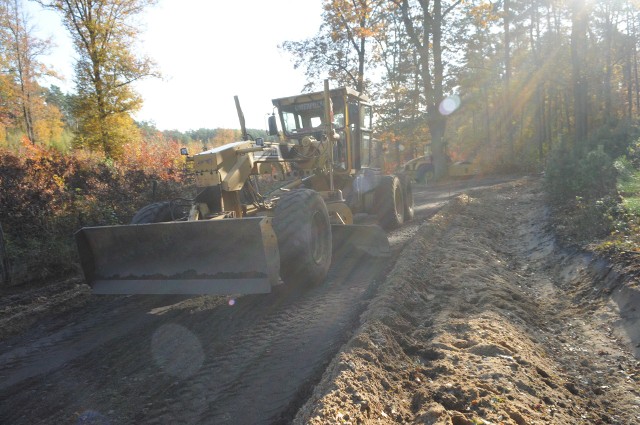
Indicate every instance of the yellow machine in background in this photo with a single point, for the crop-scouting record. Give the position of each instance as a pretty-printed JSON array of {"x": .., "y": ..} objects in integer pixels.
[
  {"x": 236, "y": 239},
  {"x": 420, "y": 169}
]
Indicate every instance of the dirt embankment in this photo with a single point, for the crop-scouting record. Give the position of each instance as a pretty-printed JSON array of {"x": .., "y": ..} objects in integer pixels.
[{"x": 485, "y": 320}]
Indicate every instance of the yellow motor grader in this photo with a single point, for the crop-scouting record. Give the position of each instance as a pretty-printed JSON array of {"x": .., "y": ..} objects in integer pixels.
[
  {"x": 234, "y": 239},
  {"x": 420, "y": 169}
]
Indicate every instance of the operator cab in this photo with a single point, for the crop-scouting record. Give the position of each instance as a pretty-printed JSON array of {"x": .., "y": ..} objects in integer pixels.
[{"x": 303, "y": 115}]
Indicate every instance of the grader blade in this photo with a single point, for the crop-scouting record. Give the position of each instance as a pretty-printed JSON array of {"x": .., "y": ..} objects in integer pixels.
[
  {"x": 220, "y": 257},
  {"x": 367, "y": 239}
]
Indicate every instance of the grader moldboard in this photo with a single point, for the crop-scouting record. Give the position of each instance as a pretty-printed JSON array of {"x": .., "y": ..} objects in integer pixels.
[{"x": 236, "y": 240}]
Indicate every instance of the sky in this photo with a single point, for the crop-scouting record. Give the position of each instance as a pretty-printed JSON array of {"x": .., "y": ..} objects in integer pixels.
[{"x": 207, "y": 51}]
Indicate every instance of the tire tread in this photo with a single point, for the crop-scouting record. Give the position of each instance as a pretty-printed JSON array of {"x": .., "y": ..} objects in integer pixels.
[{"x": 291, "y": 213}]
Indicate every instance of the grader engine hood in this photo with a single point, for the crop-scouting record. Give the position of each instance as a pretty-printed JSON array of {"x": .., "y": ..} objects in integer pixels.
[{"x": 228, "y": 165}]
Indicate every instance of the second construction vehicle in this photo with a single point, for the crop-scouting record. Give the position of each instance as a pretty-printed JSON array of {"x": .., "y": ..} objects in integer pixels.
[{"x": 233, "y": 237}]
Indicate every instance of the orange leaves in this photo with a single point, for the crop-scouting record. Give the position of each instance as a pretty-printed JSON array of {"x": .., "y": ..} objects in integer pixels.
[
  {"x": 158, "y": 157},
  {"x": 389, "y": 137},
  {"x": 40, "y": 187},
  {"x": 354, "y": 21},
  {"x": 225, "y": 135},
  {"x": 46, "y": 196},
  {"x": 29, "y": 149},
  {"x": 48, "y": 125},
  {"x": 484, "y": 14}
]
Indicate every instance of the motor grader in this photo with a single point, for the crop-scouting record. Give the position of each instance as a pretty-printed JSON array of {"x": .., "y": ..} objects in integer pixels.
[
  {"x": 420, "y": 169},
  {"x": 235, "y": 238}
]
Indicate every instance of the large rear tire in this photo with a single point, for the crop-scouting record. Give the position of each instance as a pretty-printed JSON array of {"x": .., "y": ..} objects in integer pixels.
[
  {"x": 389, "y": 203},
  {"x": 301, "y": 223},
  {"x": 159, "y": 212}
]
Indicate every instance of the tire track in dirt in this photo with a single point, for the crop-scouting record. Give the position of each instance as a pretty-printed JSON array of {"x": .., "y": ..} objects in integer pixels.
[
  {"x": 72, "y": 341},
  {"x": 290, "y": 342},
  {"x": 138, "y": 359},
  {"x": 224, "y": 371}
]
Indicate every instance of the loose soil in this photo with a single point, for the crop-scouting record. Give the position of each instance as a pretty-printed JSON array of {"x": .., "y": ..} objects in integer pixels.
[
  {"x": 479, "y": 317},
  {"x": 485, "y": 320}
]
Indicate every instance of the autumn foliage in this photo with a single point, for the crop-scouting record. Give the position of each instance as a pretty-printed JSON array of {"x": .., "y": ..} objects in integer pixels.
[{"x": 46, "y": 196}]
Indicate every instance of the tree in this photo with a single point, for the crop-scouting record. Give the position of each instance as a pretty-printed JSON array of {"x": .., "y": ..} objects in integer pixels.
[
  {"x": 424, "y": 23},
  {"x": 507, "y": 74},
  {"x": 475, "y": 130},
  {"x": 340, "y": 48},
  {"x": 580, "y": 22},
  {"x": 63, "y": 101},
  {"x": 397, "y": 94},
  {"x": 225, "y": 135},
  {"x": 530, "y": 74},
  {"x": 103, "y": 33},
  {"x": 8, "y": 112},
  {"x": 21, "y": 52}
]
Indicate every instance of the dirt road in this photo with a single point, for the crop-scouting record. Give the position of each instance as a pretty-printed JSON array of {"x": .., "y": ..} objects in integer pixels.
[
  {"x": 67, "y": 356},
  {"x": 476, "y": 317}
]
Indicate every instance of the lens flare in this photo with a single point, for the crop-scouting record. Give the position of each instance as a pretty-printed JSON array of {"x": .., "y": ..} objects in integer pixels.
[
  {"x": 177, "y": 351},
  {"x": 92, "y": 417},
  {"x": 449, "y": 105},
  {"x": 232, "y": 301}
]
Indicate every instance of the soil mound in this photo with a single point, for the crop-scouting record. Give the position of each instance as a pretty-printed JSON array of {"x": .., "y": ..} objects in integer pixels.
[{"x": 485, "y": 320}]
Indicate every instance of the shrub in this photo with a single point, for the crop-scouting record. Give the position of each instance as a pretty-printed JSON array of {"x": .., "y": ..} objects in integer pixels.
[
  {"x": 559, "y": 176},
  {"x": 590, "y": 177},
  {"x": 46, "y": 196},
  {"x": 596, "y": 175},
  {"x": 614, "y": 138},
  {"x": 583, "y": 192}
]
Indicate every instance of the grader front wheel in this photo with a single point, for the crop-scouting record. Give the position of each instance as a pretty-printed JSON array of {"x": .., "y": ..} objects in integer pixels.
[
  {"x": 158, "y": 212},
  {"x": 389, "y": 203},
  {"x": 302, "y": 227}
]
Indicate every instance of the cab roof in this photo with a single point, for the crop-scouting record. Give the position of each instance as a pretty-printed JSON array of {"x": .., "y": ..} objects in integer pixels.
[{"x": 310, "y": 97}]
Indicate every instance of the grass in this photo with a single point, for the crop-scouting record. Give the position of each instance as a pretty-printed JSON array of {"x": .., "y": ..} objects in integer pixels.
[
  {"x": 632, "y": 204},
  {"x": 629, "y": 182},
  {"x": 628, "y": 186},
  {"x": 626, "y": 234}
]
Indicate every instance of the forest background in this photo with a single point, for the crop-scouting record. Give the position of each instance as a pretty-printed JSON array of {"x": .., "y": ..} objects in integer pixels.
[{"x": 512, "y": 85}]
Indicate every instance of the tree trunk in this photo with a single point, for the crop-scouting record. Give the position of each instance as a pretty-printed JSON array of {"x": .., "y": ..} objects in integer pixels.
[
  {"x": 579, "y": 20},
  {"x": 629, "y": 45},
  {"x": 636, "y": 78},
  {"x": 428, "y": 44},
  {"x": 507, "y": 107},
  {"x": 437, "y": 128},
  {"x": 435, "y": 95},
  {"x": 608, "y": 66},
  {"x": 20, "y": 38},
  {"x": 361, "y": 61},
  {"x": 539, "y": 121}
]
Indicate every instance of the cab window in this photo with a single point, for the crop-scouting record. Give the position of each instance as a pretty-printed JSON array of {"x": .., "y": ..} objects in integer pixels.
[
  {"x": 366, "y": 117},
  {"x": 309, "y": 116}
]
